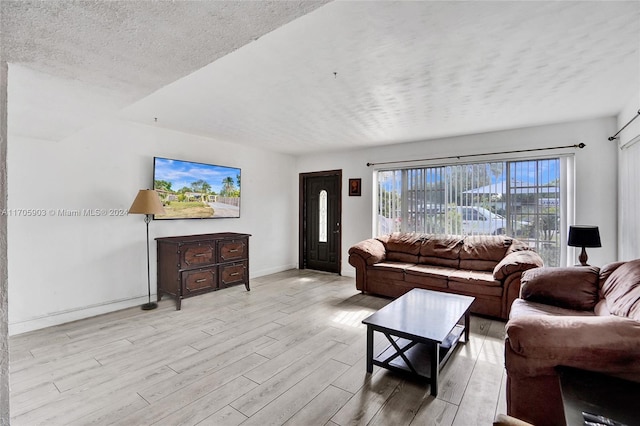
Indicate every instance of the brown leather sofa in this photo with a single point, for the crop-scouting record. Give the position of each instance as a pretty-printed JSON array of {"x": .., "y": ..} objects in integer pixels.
[
  {"x": 486, "y": 267},
  {"x": 582, "y": 317}
]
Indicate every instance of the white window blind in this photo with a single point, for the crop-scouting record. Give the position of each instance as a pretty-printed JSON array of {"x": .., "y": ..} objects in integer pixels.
[
  {"x": 629, "y": 197},
  {"x": 521, "y": 199}
]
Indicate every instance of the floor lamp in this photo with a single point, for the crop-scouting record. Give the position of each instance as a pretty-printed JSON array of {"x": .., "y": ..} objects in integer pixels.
[{"x": 147, "y": 202}]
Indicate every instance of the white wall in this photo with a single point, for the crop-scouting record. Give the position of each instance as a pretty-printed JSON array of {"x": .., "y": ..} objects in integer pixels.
[
  {"x": 64, "y": 268},
  {"x": 596, "y": 196}
]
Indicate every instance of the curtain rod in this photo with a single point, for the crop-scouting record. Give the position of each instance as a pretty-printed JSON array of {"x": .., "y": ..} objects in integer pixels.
[
  {"x": 580, "y": 145},
  {"x": 623, "y": 127}
]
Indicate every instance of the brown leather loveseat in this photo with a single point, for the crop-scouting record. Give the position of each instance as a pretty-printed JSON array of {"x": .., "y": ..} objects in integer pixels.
[
  {"x": 486, "y": 267},
  {"x": 581, "y": 317}
]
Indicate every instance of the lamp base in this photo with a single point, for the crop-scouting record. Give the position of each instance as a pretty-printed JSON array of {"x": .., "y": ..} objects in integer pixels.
[
  {"x": 149, "y": 306},
  {"x": 583, "y": 257}
]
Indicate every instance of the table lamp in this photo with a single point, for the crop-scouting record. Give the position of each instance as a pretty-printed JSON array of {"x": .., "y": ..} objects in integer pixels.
[{"x": 584, "y": 236}]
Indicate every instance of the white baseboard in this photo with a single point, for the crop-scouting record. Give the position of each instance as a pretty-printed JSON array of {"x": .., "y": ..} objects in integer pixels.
[
  {"x": 269, "y": 271},
  {"x": 62, "y": 317},
  {"x": 349, "y": 272}
]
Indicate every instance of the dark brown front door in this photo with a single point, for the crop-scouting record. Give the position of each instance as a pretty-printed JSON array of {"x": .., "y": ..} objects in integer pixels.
[{"x": 320, "y": 216}]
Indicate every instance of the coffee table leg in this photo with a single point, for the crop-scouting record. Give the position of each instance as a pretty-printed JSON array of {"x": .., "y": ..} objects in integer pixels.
[
  {"x": 369, "y": 349},
  {"x": 467, "y": 325},
  {"x": 435, "y": 368}
]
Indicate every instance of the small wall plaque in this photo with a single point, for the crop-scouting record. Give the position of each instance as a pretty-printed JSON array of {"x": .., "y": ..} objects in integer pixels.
[{"x": 355, "y": 187}]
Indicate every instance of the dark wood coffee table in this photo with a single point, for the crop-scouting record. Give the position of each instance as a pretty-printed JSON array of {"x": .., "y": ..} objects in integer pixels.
[
  {"x": 423, "y": 327},
  {"x": 599, "y": 394}
]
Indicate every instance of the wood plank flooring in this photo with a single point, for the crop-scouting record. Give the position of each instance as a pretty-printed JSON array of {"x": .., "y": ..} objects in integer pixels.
[{"x": 291, "y": 351}]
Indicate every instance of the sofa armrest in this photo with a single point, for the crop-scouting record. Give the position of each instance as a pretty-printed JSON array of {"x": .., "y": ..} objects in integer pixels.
[
  {"x": 371, "y": 251},
  {"x": 572, "y": 288},
  {"x": 517, "y": 262},
  {"x": 607, "y": 344}
]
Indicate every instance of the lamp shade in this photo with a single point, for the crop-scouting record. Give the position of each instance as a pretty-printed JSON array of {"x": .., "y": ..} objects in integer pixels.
[
  {"x": 584, "y": 236},
  {"x": 147, "y": 202}
]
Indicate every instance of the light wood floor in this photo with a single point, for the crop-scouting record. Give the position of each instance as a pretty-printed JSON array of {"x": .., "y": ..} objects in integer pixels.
[{"x": 291, "y": 351}]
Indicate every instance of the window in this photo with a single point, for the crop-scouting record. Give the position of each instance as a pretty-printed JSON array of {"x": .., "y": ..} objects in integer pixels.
[{"x": 516, "y": 198}]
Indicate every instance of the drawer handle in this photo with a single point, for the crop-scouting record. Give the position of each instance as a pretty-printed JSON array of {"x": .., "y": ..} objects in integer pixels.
[
  {"x": 200, "y": 255},
  {"x": 235, "y": 274},
  {"x": 201, "y": 280},
  {"x": 234, "y": 250}
]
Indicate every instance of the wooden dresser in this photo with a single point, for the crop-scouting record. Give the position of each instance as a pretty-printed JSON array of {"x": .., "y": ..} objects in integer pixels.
[{"x": 190, "y": 265}]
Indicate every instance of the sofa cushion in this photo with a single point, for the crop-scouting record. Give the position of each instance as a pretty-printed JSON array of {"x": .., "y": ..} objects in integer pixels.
[
  {"x": 571, "y": 288},
  {"x": 607, "y": 344},
  {"x": 486, "y": 247},
  {"x": 443, "y": 246},
  {"x": 622, "y": 290},
  {"x": 397, "y": 256},
  {"x": 483, "y": 252},
  {"x": 607, "y": 270},
  {"x": 517, "y": 261},
  {"x": 477, "y": 264},
  {"x": 391, "y": 266},
  {"x": 427, "y": 275},
  {"x": 482, "y": 278},
  {"x": 404, "y": 243},
  {"x": 430, "y": 271},
  {"x": 473, "y": 288},
  {"x": 439, "y": 261},
  {"x": 388, "y": 271},
  {"x": 521, "y": 307}
]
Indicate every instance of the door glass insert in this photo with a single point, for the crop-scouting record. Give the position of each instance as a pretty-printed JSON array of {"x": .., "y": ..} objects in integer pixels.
[{"x": 322, "y": 225}]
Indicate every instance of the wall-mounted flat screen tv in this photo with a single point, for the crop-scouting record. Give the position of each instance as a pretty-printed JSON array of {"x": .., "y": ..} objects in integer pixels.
[{"x": 190, "y": 190}]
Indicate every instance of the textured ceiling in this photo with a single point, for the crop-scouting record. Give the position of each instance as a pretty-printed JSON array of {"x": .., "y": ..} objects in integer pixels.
[
  {"x": 135, "y": 47},
  {"x": 344, "y": 75},
  {"x": 71, "y": 63}
]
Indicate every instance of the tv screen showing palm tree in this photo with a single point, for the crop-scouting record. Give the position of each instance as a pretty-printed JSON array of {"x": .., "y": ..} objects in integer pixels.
[{"x": 191, "y": 190}]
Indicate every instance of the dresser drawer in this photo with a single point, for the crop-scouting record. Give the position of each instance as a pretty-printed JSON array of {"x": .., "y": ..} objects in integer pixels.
[
  {"x": 198, "y": 281},
  {"x": 231, "y": 250},
  {"x": 194, "y": 255},
  {"x": 233, "y": 273}
]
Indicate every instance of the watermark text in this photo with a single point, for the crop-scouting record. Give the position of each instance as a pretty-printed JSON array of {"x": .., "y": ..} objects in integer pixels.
[{"x": 60, "y": 212}]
